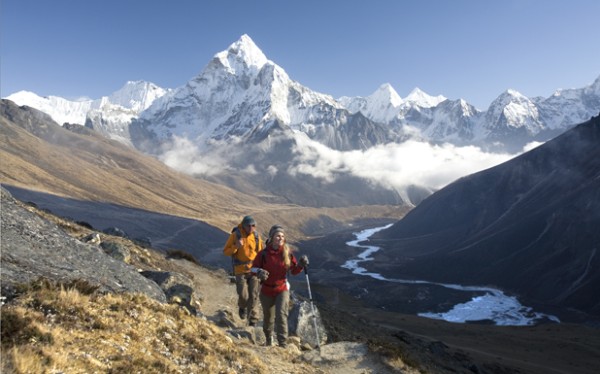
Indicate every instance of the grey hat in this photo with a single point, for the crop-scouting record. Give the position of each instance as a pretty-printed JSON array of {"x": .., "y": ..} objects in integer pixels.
[
  {"x": 275, "y": 229},
  {"x": 249, "y": 221}
]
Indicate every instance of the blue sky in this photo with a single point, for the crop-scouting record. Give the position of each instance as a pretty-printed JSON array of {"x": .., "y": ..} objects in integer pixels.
[{"x": 470, "y": 49}]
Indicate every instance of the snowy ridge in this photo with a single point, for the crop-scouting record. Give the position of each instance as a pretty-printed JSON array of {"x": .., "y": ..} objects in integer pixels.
[
  {"x": 420, "y": 98},
  {"x": 109, "y": 115},
  {"x": 241, "y": 93},
  {"x": 135, "y": 95},
  {"x": 61, "y": 110}
]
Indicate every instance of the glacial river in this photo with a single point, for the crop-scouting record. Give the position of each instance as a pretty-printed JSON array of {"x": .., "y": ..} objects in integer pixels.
[{"x": 491, "y": 304}]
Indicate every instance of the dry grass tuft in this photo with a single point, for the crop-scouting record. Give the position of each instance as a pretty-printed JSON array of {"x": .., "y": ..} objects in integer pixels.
[{"x": 58, "y": 329}]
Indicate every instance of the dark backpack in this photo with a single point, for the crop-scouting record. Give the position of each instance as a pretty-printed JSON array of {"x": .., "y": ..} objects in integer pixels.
[{"x": 238, "y": 234}]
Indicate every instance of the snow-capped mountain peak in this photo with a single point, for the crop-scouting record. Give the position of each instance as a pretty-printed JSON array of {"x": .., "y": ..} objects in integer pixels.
[
  {"x": 241, "y": 55},
  {"x": 135, "y": 95},
  {"x": 422, "y": 99},
  {"x": 513, "y": 110},
  {"x": 509, "y": 96},
  {"x": 386, "y": 94},
  {"x": 239, "y": 94},
  {"x": 381, "y": 106}
]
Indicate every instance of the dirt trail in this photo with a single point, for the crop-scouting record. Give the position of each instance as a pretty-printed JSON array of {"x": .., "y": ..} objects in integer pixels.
[{"x": 219, "y": 299}]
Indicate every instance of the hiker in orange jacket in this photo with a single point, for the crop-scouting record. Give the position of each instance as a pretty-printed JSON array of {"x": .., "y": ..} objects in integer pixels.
[
  {"x": 243, "y": 245},
  {"x": 272, "y": 267}
]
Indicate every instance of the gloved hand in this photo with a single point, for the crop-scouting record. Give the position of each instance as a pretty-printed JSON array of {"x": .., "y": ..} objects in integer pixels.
[
  {"x": 239, "y": 243},
  {"x": 262, "y": 275},
  {"x": 303, "y": 261}
]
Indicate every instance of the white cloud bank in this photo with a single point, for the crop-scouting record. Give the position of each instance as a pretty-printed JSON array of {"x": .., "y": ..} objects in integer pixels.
[
  {"x": 185, "y": 156},
  {"x": 394, "y": 166}
]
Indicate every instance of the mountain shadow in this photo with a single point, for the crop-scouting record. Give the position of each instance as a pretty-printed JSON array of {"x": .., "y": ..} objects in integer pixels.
[{"x": 529, "y": 226}]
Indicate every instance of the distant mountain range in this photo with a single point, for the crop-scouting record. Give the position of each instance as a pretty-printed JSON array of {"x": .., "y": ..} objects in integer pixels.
[{"x": 245, "y": 123}]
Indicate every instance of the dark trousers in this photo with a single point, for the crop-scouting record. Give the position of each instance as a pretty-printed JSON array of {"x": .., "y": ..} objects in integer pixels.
[
  {"x": 275, "y": 311},
  {"x": 247, "y": 289}
]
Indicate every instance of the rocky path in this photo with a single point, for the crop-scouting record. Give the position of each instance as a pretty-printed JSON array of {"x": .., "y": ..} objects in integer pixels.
[{"x": 219, "y": 305}]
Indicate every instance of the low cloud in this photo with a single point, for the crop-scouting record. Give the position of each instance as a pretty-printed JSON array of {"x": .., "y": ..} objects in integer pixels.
[
  {"x": 393, "y": 166},
  {"x": 184, "y": 156},
  {"x": 529, "y": 146}
]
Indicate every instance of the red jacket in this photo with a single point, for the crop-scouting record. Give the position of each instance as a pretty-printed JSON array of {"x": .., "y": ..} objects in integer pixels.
[{"x": 270, "y": 260}]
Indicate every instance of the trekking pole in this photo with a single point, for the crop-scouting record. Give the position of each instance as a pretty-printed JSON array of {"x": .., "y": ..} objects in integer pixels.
[{"x": 312, "y": 308}]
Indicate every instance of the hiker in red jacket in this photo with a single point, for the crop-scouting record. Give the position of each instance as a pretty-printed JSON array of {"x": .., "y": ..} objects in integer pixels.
[{"x": 271, "y": 268}]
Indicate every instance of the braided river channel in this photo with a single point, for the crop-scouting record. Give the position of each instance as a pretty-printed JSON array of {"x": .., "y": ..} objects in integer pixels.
[{"x": 488, "y": 304}]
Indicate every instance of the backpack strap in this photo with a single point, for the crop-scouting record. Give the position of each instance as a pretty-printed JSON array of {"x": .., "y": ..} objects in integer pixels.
[{"x": 238, "y": 234}]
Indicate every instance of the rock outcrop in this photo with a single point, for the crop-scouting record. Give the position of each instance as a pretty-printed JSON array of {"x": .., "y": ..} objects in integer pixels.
[{"x": 33, "y": 248}]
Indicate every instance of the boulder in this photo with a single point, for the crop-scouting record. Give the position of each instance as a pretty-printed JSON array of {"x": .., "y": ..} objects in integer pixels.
[
  {"x": 301, "y": 322},
  {"x": 116, "y": 251},
  {"x": 178, "y": 288}
]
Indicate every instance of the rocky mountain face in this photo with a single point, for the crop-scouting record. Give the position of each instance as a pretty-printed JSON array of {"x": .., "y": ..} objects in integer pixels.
[{"x": 529, "y": 226}]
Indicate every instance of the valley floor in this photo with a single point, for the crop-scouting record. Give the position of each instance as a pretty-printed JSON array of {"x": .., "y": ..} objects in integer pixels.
[{"x": 441, "y": 347}]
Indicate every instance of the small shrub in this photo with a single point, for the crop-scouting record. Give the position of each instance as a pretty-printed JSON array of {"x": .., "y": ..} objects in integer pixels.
[
  {"x": 83, "y": 286},
  {"x": 176, "y": 253},
  {"x": 17, "y": 329},
  {"x": 25, "y": 359},
  {"x": 43, "y": 284},
  {"x": 132, "y": 366},
  {"x": 84, "y": 224}
]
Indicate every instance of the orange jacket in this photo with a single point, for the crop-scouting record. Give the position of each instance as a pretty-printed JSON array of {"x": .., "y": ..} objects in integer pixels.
[{"x": 242, "y": 258}]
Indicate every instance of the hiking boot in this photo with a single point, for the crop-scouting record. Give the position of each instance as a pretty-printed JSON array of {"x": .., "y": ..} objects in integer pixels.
[
  {"x": 269, "y": 342},
  {"x": 283, "y": 344},
  {"x": 242, "y": 313}
]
